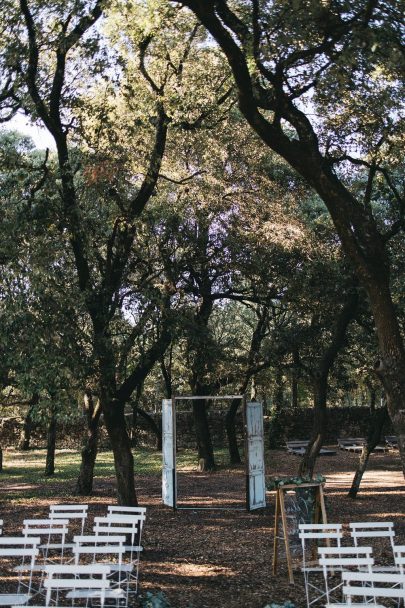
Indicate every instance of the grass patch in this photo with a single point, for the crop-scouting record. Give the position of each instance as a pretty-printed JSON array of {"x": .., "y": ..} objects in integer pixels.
[{"x": 23, "y": 472}]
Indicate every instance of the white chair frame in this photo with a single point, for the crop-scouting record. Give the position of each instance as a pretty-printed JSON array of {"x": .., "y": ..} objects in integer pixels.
[
  {"x": 339, "y": 558},
  {"x": 48, "y": 528},
  {"x": 112, "y": 546},
  {"x": 69, "y": 512},
  {"x": 316, "y": 532},
  {"x": 86, "y": 588},
  {"x": 369, "y": 587},
  {"x": 131, "y": 525},
  {"x": 373, "y": 529},
  {"x": 11, "y": 546}
]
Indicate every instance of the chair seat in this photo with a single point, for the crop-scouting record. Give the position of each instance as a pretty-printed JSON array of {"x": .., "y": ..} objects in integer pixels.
[
  {"x": 133, "y": 548},
  {"x": 17, "y": 599},
  {"x": 57, "y": 546},
  {"x": 109, "y": 594},
  {"x": 354, "y": 605}
]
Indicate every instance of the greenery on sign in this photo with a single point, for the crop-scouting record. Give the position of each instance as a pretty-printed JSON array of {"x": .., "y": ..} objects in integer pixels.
[{"x": 279, "y": 482}]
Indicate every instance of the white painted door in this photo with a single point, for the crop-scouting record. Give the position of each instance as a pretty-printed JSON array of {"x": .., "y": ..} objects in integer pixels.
[
  {"x": 169, "y": 485},
  {"x": 255, "y": 455}
]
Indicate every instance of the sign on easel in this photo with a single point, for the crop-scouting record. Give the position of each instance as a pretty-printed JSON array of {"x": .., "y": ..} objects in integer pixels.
[{"x": 295, "y": 505}]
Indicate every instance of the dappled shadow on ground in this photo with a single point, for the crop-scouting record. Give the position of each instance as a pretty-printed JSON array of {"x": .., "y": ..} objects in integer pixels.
[{"x": 206, "y": 558}]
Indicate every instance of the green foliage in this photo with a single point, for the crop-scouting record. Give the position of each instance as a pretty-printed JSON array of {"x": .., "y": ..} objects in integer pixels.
[
  {"x": 155, "y": 600},
  {"x": 279, "y": 482}
]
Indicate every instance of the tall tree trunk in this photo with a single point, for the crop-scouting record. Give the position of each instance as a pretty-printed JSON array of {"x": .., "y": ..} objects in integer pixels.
[
  {"x": 25, "y": 437},
  {"x": 135, "y": 407},
  {"x": 92, "y": 410},
  {"x": 377, "y": 421},
  {"x": 320, "y": 382},
  {"x": 276, "y": 428},
  {"x": 203, "y": 435},
  {"x": 320, "y": 390},
  {"x": 230, "y": 427},
  {"x": 154, "y": 427},
  {"x": 51, "y": 443},
  {"x": 391, "y": 366},
  {"x": 121, "y": 446}
]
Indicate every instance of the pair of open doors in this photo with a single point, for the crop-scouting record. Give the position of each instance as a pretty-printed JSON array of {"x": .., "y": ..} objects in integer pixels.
[{"x": 254, "y": 449}]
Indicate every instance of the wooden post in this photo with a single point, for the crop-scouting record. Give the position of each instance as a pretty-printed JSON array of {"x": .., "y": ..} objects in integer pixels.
[
  {"x": 286, "y": 541},
  {"x": 275, "y": 548}
]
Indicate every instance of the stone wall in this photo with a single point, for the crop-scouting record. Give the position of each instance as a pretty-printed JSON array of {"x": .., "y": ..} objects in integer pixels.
[{"x": 343, "y": 422}]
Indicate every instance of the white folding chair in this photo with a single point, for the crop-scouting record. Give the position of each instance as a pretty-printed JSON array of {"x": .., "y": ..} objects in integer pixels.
[
  {"x": 370, "y": 587},
  {"x": 99, "y": 548},
  {"x": 78, "y": 582},
  {"x": 131, "y": 526},
  {"x": 69, "y": 512},
  {"x": 52, "y": 532},
  {"x": 334, "y": 559},
  {"x": 311, "y": 534},
  {"x": 1, "y": 527},
  {"x": 374, "y": 530},
  {"x": 399, "y": 557},
  {"x": 21, "y": 548},
  {"x": 119, "y": 510}
]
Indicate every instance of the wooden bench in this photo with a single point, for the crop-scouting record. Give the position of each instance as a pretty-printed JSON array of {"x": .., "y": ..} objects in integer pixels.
[{"x": 298, "y": 448}]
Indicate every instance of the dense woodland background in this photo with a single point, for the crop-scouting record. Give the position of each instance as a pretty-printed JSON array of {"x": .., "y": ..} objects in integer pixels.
[{"x": 222, "y": 212}]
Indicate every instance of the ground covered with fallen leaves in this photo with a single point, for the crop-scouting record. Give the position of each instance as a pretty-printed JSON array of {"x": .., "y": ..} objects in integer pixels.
[{"x": 211, "y": 552}]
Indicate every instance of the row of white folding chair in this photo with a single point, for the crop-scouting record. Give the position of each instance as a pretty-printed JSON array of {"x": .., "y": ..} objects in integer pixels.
[
  {"x": 22, "y": 548},
  {"x": 334, "y": 533},
  {"x": 370, "y": 587}
]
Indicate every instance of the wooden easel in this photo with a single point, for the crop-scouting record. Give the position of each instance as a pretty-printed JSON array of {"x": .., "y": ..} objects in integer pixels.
[{"x": 319, "y": 515}]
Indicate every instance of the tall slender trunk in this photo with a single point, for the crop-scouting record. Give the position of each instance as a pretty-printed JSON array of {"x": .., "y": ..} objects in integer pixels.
[
  {"x": 276, "y": 426},
  {"x": 51, "y": 443},
  {"x": 377, "y": 421},
  {"x": 230, "y": 427},
  {"x": 135, "y": 409},
  {"x": 320, "y": 391},
  {"x": 92, "y": 409},
  {"x": 154, "y": 427},
  {"x": 28, "y": 425},
  {"x": 203, "y": 435},
  {"x": 121, "y": 446}
]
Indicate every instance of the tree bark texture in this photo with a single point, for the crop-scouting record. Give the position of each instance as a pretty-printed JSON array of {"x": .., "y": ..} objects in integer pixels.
[
  {"x": 25, "y": 437},
  {"x": 51, "y": 445},
  {"x": 230, "y": 427},
  {"x": 205, "y": 448},
  {"x": 377, "y": 420},
  {"x": 92, "y": 410},
  {"x": 123, "y": 459},
  {"x": 320, "y": 391}
]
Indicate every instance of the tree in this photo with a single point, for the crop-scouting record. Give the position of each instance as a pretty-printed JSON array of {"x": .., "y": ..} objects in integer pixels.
[{"x": 289, "y": 63}]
